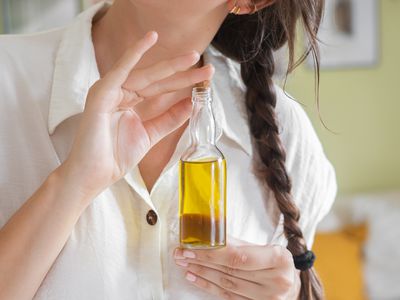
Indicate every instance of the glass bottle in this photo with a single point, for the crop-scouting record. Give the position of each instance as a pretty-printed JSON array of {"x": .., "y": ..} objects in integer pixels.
[{"x": 202, "y": 179}]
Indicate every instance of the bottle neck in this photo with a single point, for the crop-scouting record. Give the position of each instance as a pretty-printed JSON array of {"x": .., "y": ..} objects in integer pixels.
[{"x": 202, "y": 122}]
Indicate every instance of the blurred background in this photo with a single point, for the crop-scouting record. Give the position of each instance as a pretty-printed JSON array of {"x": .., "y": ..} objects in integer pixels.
[{"x": 358, "y": 243}]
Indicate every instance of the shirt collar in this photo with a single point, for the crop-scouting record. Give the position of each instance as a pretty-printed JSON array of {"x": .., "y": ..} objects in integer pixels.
[
  {"x": 76, "y": 71},
  {"x": 228, "y": 92}
]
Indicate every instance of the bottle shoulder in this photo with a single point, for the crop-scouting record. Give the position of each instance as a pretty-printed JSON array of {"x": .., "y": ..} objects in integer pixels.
[{"x": 203, "y": 153}]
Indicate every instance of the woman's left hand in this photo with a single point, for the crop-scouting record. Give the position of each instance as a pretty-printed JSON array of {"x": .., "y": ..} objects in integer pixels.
[{"x": 242, "y": 272}]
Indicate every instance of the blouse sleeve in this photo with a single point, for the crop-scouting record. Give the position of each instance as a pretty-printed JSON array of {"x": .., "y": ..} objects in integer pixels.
[{"x": 313, "y": 176}]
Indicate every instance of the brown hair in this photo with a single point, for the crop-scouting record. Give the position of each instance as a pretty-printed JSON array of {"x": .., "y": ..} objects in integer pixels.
[{"x": 251, "y": 39}]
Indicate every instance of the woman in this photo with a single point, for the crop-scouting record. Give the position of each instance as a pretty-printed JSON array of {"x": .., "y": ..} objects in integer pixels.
[{"x": 93, "y": 122}]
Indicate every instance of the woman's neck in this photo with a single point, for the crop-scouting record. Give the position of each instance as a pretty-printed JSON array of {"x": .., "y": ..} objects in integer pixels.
[{"x": 127, "y": 21}]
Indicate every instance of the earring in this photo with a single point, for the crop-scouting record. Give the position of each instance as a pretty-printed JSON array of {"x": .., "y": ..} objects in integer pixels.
[{"x": 236, "y": 9}]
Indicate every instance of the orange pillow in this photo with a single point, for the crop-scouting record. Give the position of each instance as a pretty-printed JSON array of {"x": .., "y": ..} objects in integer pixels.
[{"x": 339, "y": 262}]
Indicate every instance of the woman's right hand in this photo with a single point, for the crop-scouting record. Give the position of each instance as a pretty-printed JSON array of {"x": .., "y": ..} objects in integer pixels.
[{"x": 112, "y": 138}]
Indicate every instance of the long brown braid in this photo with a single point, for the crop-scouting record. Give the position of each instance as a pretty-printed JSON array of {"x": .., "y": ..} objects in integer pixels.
[{"x": 251, "y": 40}]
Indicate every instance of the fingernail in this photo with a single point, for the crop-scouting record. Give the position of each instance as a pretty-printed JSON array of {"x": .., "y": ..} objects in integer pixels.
[
  {"x": 152, "y": 34},
  {"x": 196, "y": 53},
  {"x": 181, "y": 263},
  {"x": 210, "y": 66},
  {"x": 189, "y": 254},
  {"x": 178, "y": 254},
  {"x": 191, "y": 277}
]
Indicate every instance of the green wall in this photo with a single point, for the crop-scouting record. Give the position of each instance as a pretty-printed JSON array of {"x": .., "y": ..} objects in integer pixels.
[
  {"x": 363, "y": 106},
  {"x": 1, "y": 17}
]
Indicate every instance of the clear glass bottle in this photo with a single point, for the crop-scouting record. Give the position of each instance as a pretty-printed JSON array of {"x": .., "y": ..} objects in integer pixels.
[{"x": 202, "y": 179}]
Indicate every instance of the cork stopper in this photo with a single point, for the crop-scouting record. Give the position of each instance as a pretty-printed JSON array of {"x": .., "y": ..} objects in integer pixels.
[
  {"x": 201, "y": 91},
  {"x": 202, "y": 86}
]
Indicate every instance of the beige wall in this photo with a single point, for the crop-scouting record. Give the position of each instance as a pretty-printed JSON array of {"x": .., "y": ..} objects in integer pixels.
[{"x": 363, "y": 105}]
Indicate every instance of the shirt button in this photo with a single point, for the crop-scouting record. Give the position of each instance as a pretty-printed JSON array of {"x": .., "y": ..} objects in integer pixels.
[{"x": 151, "y": 217}]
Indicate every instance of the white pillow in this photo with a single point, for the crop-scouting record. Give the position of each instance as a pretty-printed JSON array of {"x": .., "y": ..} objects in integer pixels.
[{"x": 382, "y": 249}]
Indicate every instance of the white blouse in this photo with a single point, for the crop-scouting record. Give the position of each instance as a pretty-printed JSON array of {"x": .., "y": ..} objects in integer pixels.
[{"x": 113, "y": 252}]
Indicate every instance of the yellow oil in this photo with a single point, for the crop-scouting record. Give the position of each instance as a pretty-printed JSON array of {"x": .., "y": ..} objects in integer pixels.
[{"x": 202, "y": 203}]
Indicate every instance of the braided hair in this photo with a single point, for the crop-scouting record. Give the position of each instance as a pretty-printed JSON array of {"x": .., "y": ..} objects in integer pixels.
[{"x": 251, "y": 40}]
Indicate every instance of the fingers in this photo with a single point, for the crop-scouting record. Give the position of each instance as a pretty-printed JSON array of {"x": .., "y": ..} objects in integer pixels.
[
  {"x": 178, "y": 81},
  {"x": 253, "y": 276},
  {"x": 139, "y": 79},
  {"x": 227, "y": 282},
  {"x": 272, "y": 279},
  {"x": 212, "y": 288},
  {"x": 269, "y": 283},
  {"x": 122, "y": 68},
  {"x": 162, "y": 125},
  {"x": 249, "y": 258}
]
